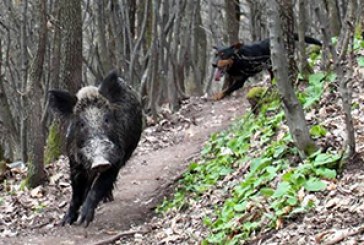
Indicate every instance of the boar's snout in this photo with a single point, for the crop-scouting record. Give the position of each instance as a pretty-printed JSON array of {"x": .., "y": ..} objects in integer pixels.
[
  {"x": 100, "y": 164},
  {"x": 100, "y": 154}
]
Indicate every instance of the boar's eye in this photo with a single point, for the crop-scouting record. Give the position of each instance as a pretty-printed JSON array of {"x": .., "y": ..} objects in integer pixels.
[
  {"x": 107, "y": 118},
  {"x": 81, "y": 123}
]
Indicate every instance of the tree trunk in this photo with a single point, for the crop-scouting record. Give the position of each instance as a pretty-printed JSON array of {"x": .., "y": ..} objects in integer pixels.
[
  {"x": 154, "y": 88},
  {"x": 280, "y": 16},
  {"x": 138, "y": 43},
  {"x": 71, "y": 74},
  {"x": 334, "y": 17},
  {"x": 197, "y": 64},
  {"x": 345, "y": 74},
  {"x": 36, "y": 173},
  {"x": 303, "y": 64},
  {"x": 232, "y": 25},
  {"x": 255, "y": 19},
  {"x": 7, "y": 119},
  {"x": 103, "y": 53},
  {"x": 117, "y": 33},
  {"x": 232, "y": 10},
  {"x": 173, "y": 83},
  {"x": 71, "y": 62},
  {"x": 326, "y": 33},
  {"x": 24, "y": 81}
]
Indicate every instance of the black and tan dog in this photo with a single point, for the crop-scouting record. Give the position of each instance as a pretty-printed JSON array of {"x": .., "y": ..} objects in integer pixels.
[{"x": 243, "y": 61}]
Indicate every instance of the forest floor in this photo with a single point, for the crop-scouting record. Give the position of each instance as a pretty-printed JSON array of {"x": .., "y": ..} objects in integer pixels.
[{"x": 33, "y": 216}]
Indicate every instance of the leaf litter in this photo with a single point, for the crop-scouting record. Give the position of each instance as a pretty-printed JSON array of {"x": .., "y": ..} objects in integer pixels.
[{"x": 338, "y": 215}]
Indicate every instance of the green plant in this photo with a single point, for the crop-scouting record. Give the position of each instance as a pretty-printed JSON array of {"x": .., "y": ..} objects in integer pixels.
[{"x": 276, "y": 181}]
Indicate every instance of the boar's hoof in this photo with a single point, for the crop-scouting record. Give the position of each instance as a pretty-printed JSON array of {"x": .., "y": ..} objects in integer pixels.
[
  {"x": 69, "y": 218},
  {"x": 86, "y": 216},
  {"x": 100, "y": 166}
]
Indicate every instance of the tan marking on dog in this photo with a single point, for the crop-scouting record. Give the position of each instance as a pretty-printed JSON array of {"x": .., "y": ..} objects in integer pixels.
[{"x": 224, "y": 63}]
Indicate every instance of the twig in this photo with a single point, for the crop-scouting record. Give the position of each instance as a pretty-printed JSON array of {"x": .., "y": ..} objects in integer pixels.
[
  {"x": 121, "y": 234},
  {"x": 345, "y": 234}
]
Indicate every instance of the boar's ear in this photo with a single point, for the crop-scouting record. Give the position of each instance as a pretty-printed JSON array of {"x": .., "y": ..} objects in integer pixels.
[
  {"x": 62, "y": 102},
  {"x": 110, "y": 86}
]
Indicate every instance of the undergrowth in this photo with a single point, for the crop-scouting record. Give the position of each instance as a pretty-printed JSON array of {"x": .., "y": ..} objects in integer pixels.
[{"x": 258, "y": 169}]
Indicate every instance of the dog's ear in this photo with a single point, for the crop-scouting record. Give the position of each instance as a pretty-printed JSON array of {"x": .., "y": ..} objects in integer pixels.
[{"x": 237, "y": 45}]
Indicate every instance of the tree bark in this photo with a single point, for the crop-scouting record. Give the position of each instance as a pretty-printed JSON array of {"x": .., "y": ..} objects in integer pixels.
[
  {"x": 304, "y": 67},
  {"x": 334, "y": 17},
  {"x": 24, "y": 81},
  {"x": 7, "y": 119},
  {"x": 71, "y": 61},
  {"x": 71, "y": 74},
  {"x": 345, "y": 74},
  {"x": 36, "y": 173},
  {"x": 280, "y": 16},
  {"x": 326, "y": 33},
  {"x": 232, "y": 10},
  {"x": 232, "y": 25},
  {"x": 255, "y": 8},
  {"x": 154, "y": 88},
  {"x": 197, "y": 38},
  {"x": 105, "y": 65},
  {"x": 138, "y": 43}
]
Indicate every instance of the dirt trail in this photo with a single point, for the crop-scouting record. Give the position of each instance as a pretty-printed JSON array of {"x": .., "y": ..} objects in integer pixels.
[{"x": 144, "y": 180}]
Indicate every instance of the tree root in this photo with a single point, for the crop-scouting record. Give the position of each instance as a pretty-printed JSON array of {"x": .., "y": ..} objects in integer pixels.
[{"x": 121, "y": 234}]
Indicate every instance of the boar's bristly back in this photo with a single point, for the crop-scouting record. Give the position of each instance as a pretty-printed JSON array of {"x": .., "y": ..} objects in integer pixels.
[
  {"x": 90, "y": 96},
  {"x": 62, "y": 102}
]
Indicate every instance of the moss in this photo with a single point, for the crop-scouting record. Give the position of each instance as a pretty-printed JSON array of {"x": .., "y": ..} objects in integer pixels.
[
  {"x": 314, "y": 49},
  {"x": 310, "y": 149},
  {"x": 53, "y": 147},
  {"x": 259, "y": 96},
  {"x": 359, "y": 31},
  {"x": 1, "y": 153},
  {"x": 2, "y": 170},
  {"x": 256, "y": 92}
]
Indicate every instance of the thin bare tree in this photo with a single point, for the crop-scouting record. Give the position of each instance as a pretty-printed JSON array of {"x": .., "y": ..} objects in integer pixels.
[
  {"x": 36, "y": 174},
  {"x": 280, "y": 15}
]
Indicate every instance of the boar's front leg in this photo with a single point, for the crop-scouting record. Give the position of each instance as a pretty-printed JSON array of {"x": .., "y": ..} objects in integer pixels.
[
  {"x": 100, "y": 189},
  {"x": 79, "y": 183}
]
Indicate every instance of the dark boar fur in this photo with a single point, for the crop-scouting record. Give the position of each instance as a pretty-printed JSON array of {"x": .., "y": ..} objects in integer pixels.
[{"x": 105, "y": 124}]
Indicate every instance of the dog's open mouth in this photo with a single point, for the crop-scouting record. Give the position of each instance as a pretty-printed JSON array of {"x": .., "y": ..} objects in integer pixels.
[
  {"x": 218, "y": 74},
  {"x": 222, "y": 66}
]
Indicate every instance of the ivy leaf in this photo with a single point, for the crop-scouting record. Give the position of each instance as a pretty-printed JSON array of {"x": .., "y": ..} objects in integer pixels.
[
  {"x": 267, "y": 191},
  {"x": 361, "y": 61},
  {"x": 279, "y": 151},
  {"x": 250, "y": 225},
  {"x": 326, "y": 173},
  {"x": 259, "y": 163},
  {"x": 314, "y": 184},
  {"x": 282, "y": 189},
  {"x": 292, "y": 201},
  {"x": 316, "y": 78},
  {"x": 240, "y": 207},
  {"x": 318, "y": 131},
  {"x": 216, "y": 238},
  {"x": 323, "y": 159},
  {"x": 193, "y": 166}
]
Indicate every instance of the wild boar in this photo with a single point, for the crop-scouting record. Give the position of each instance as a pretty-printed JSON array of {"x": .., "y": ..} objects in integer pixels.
[{"x": 104, "y": 128}]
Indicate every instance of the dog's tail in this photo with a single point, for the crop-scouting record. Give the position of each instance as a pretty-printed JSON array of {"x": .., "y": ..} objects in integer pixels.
[{"x": 309, "y": 40}]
